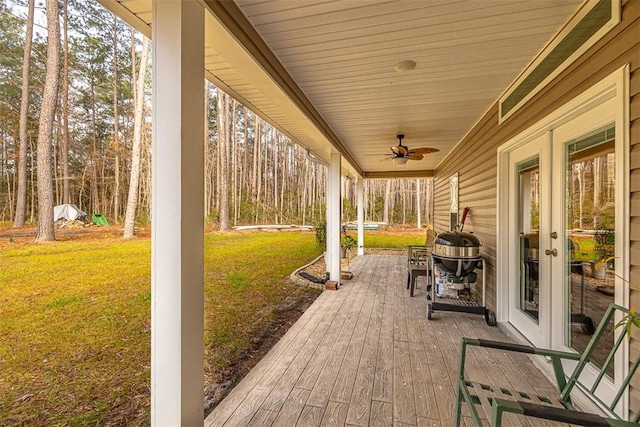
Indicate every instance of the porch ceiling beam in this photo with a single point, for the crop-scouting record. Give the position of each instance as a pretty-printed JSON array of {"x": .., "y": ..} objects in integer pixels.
[
  {"x": 230, "y": 16},
  {"x": 399, "y": 174}
]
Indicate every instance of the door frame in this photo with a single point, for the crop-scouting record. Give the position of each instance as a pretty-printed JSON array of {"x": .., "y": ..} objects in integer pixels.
[{"x": 615, "y": 86}]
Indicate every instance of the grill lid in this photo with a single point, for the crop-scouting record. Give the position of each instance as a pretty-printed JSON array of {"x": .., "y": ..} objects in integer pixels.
[{"x": 458, "y": 239}]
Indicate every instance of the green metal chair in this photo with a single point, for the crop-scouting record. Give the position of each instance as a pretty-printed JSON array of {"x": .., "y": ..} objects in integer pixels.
[{"x": 497, "y": 400}]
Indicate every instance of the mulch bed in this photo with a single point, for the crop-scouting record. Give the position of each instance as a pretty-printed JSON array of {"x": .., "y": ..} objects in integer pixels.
[{"x": 318, "y": 267}]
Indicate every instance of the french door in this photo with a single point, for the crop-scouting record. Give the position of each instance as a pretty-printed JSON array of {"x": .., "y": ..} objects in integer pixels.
[
  {"x": 562, "y": 216},
  {"x": 529, "y": 228}
]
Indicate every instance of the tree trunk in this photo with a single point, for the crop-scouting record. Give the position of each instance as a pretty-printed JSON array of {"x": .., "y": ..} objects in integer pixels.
[
  {"x": 207, "y": 154},
  {"x": 64, "y": 147},
  {"x": 116, "y": 133},
  {"x": 254, "y": 169},
  {"x": 276, "y": 195},
  {"x": 580, "y": 195},
  {"x": 45, "y": 232},
  {"x": 132, "y": 199},
  {"x": 216, "y": 154},
  {"x": 256, "y": 153},
  {"x": 95, "y": 198},
  {"x": 418, "y": 214},
  {"x": 223, "y": 142},
  {"x": 245, "y": 158},
  {"x": 597, "y": 188},
  {"x": 387, "y": 201},
  {"x": 234, "y": 167},
  {"x": 21, "y": 202}
]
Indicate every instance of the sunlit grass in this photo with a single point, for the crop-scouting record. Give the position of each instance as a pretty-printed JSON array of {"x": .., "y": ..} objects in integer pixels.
[
  {"x": 75, "y": 328},
  {"x": 75, "y": 323},
  {"x": 393, "y": 241}
]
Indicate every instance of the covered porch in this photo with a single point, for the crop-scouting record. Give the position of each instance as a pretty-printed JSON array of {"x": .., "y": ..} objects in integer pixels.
[
  {"x": 342, "y": 79},
  {"x": 367, "y": 355}
]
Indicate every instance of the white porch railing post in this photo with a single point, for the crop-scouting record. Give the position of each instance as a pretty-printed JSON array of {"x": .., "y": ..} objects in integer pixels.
[
  {"x": 360, "y": 195},
  {"x": 177, "y": 236},
  {"x": 333, "y": 217}
]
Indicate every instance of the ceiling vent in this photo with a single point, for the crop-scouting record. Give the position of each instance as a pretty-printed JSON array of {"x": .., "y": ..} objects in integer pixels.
[{"x": 592, "y": 21}]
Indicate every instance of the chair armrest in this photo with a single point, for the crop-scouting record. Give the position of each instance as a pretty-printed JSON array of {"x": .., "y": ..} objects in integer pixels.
[{"x": 520, "y": 348}]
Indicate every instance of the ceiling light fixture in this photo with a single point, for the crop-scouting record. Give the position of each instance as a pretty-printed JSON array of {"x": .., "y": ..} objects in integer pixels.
[
  {"x": 400, "y": 160},
  {"x": 405, "y": 65}
]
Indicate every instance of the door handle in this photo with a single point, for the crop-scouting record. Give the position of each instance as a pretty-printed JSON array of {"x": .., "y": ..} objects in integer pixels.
[{"x": 553, "y": 252}]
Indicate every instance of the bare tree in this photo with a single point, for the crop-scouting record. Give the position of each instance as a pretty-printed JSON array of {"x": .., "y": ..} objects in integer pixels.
[
  {"x": 223, "y": 143},
  {"x": 45, "y": 232},
  {"x": 116, "y": 119},
  {"x": 387, "y": 201},
  {"x": 418, "y": 213},
  {"x": 208, "y": 170},
  {"x": 132, "y": 199},
  {"x": 256, "y": 151},
  {"x": 64, "y": 143},
  {"x": 21, "y": 201}
]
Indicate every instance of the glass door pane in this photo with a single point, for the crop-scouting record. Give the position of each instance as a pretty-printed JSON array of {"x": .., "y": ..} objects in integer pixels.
[
  {"x": 529, "y": 222},
  {"x": 529, "y": 228},
  {"x": 590, "y": 237}
]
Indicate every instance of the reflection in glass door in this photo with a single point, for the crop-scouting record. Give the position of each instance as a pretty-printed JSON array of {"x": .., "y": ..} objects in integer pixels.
[
  {"x": 529, "y": 228},
  {"x": 589, "y": 213}
]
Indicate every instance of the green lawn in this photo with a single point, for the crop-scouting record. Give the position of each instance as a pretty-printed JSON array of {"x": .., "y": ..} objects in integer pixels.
[
  {"x": 75, "y": 319},
  {"x": 372, "y": 240}
]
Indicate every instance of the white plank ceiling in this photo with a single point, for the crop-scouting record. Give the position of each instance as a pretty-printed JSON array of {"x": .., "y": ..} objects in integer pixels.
[{"x": 339, "y": 57}]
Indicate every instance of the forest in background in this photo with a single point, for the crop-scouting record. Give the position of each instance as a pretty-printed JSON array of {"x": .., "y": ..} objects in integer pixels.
[{"x": 99, "y": 147}]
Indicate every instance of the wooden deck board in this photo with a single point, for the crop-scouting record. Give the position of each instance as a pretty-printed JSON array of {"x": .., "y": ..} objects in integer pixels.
[
  {"x": 262, "y": 418},
  {"x": 311, "y": 416},
  {"x": 360, "y": 403},
  {"x": 366, "y": 355},
  {"x": 335, "y": 414}
]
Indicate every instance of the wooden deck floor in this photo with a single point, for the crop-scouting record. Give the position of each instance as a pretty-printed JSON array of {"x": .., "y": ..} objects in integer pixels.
[{"x": 366, "y": 355}]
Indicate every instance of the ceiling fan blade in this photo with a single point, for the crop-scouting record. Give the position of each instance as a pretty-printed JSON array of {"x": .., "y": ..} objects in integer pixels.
[
  {"x": 415, "y": 156},
  {"x": 423, "y": 150},
  {"x": 399, "y": 149}
]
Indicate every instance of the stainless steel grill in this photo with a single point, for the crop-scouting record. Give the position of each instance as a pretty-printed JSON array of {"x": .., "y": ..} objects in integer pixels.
[{"x": 457, "y": 251}]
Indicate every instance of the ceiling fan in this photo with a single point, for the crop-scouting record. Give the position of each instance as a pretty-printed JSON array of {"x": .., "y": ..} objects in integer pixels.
[{"x": 401, "y": 153}]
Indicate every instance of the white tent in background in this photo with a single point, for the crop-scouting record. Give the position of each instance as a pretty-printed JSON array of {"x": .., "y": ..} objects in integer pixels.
[{"x": 68, "y": 212}]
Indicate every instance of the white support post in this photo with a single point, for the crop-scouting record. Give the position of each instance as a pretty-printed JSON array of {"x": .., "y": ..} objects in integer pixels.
[
  {"x": 328, "y": 236},
  {"x": 333, "y": 217},
  {"x": 177, "y": 233},
  {"x": 360, "y": 195},
  {"x": 418, "y": 203}
]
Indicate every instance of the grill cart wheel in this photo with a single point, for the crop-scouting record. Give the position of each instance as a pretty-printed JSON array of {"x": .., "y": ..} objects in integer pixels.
[
  {"x": 490, "y": 317},
  {"x": 588, "y": 326}
]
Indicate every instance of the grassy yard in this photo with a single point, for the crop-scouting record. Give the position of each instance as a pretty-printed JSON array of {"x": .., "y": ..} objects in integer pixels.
[{"x": 74, "y": 323}]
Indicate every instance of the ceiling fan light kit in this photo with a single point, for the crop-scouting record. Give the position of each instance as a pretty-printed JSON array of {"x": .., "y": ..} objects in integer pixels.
[
  {"x": 401, "y": 153},
  {"x": 400, "y": 160}
]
